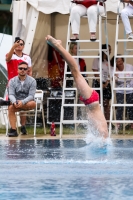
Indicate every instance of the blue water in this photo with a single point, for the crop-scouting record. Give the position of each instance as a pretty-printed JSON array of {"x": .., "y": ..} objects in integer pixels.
[{"x": 66, "y": 170}]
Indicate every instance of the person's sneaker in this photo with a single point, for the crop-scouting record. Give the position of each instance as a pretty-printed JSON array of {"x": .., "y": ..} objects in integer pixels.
[
  {"x": 74, "y": 38},
  {"x": 119, "y": 127},
  {"x": 53, "y": 134},
  {"x": 23, "y": 130},
  {"x": 130, "y": 36},
  {"x": 131, "y": 126},
  {"x": 12, "y": 133}
]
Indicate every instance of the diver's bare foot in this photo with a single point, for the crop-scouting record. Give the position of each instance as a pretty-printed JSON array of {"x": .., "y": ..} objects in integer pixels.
[{"x": 53, "y": 42}]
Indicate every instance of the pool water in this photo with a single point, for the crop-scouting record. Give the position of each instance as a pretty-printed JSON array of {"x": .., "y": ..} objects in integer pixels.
[{"x": 66, "y": 170}]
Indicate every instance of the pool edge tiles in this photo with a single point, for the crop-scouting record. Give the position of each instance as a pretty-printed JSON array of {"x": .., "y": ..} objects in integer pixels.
[{"x": 68, "y": 136}]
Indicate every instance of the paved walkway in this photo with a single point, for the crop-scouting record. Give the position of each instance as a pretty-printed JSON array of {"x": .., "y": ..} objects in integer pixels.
[{"x": 67, "y": 136}]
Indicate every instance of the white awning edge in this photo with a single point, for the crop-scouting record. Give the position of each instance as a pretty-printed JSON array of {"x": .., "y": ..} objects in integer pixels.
[{"x": 62, "y": 6}]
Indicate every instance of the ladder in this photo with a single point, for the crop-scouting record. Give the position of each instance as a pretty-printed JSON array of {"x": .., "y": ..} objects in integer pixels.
[
  {"x": 126, "y": 56},
  {"x": 98, "y": 55}
]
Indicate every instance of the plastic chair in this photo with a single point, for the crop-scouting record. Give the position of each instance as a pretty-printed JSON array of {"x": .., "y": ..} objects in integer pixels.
[
  {"x": 4, "y": 116},
  {"x": 39, "y": 109}
]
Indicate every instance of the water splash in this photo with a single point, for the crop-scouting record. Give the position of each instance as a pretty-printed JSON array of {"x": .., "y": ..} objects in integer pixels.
[{"x": 96, "y": 144}]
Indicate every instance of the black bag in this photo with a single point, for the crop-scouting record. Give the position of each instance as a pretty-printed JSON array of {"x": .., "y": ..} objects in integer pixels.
[
  {"x": 43, "y": 83},
  {"x": 4, "y": 102}
]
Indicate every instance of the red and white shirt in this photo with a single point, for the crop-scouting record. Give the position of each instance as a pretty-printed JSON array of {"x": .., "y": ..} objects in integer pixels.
[
  {"x": 87, "y": 3},
  {"x": 12, "y": 65}
]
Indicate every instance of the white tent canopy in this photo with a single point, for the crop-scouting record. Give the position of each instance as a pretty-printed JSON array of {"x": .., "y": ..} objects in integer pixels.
[
  {"x": 62, "y": 6},
  {"x": 50, "y": 6}
]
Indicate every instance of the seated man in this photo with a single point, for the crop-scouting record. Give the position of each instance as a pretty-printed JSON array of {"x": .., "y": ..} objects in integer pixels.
[
  {"x": 125, "y": 13},
  {"x": 89, "y": 96},
  {"x": 22, "y": 89}
]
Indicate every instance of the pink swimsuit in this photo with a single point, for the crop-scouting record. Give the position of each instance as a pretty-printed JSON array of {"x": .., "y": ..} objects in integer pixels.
[{"x": 94, "y": 97}]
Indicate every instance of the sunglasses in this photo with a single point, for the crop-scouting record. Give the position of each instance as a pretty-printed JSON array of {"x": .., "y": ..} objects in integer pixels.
[
  {"x": 21, "y": 68},
  {"x": 21, "y": 44}
]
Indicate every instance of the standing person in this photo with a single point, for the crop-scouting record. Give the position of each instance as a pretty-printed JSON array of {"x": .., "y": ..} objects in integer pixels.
[
  {"x": 16, "y": 56},
  {"x": 13, "y": 58},
  {"x": 125, "y": 13},
  {"x": 80, "y": 62},
  {"x": 22, "y": 89},
  {"x": 89, "y": 8},
  {"x": 89, "y": 96},
  {"x": 121, "y": 66},
  {"x": 105, "y": 80}
]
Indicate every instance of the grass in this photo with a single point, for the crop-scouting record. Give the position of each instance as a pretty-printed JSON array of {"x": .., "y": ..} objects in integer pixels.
[
  {"x": 128, "y": 130},
  {"x": 40, "y": 131},
  {"x": 67, "y": 129}
]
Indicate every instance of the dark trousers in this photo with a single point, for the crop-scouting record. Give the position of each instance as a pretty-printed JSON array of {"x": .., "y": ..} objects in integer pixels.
[{"x": 129, "y": 110}]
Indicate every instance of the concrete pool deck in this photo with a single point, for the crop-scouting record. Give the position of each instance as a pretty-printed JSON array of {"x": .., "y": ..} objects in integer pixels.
[{"x": 65, "y": 136}]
